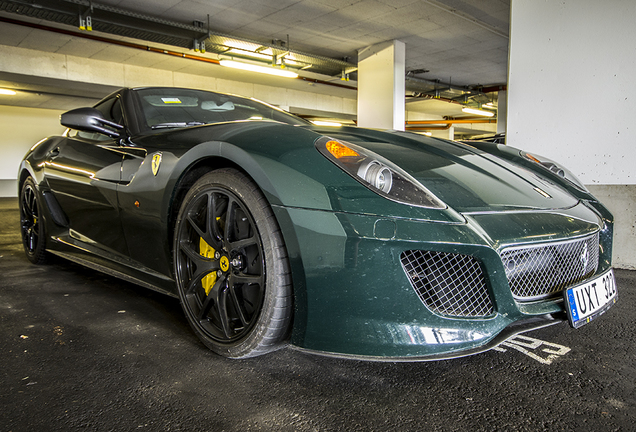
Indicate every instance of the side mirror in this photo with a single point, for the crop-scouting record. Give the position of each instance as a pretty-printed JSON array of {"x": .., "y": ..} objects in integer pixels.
[{"x": 90, "y": 120}]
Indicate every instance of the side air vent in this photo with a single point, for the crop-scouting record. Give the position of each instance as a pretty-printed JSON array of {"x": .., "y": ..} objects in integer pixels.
[
  {"x": 58, "y": 215},
  {"x": 447, "y": 283}
]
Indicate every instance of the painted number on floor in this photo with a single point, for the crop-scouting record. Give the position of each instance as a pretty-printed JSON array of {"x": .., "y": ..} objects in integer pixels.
[{"x": 534, "y": 348}]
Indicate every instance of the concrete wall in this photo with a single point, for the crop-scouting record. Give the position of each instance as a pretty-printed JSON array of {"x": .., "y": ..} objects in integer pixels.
[
  {"x": 21, "y": 128},
  {"x": 571, "y": 98},
  {"x": 620, "y": 200}
]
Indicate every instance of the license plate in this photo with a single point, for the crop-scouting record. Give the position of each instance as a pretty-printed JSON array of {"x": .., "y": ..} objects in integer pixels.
[{"x": 590, "y": 299}]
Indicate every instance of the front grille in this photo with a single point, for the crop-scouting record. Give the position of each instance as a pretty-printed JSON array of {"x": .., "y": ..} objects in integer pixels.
[
  {"x": 447, "y": 283},
  {"x": 536, "y": 272}
]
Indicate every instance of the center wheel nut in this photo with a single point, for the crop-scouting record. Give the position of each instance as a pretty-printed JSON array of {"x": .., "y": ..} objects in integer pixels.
[{"x": 224, "y": 262}]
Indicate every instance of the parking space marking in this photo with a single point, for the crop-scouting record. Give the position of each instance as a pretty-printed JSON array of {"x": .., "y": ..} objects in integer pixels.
[{"x": 530, "y": 347}]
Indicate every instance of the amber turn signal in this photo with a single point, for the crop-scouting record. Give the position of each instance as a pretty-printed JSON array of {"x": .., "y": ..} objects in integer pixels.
[{"x": 339, "y": 150}]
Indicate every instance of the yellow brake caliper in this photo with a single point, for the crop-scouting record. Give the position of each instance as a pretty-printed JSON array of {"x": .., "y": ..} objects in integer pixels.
[{"x": 207, "y": 251}]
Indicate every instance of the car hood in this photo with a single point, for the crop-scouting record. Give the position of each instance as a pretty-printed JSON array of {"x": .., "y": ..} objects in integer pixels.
[{"x": 466, "y": 179}]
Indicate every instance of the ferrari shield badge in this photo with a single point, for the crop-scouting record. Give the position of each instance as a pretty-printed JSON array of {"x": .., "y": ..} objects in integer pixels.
[{"x": 156, "y": 161}]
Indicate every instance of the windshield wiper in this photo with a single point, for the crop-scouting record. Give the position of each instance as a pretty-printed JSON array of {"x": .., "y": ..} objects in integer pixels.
[{"x": 176, "y": 125}]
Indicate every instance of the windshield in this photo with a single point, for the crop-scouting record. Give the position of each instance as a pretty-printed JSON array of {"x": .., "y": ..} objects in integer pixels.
[{"x": 165, "y": 108}]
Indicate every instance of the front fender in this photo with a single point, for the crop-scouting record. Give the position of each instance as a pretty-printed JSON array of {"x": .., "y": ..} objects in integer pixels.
[{"x": 31, "y": 164}]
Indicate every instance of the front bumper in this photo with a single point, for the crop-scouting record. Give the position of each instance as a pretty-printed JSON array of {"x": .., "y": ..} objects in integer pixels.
[{"x": 353, "y": 297}]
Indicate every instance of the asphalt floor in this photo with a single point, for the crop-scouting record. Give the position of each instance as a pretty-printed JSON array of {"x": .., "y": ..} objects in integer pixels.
[{"x": 81, "y": 350}]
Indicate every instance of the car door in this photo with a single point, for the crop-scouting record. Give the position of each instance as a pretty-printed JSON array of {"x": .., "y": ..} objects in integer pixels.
[{"x": 83, "y": 172}]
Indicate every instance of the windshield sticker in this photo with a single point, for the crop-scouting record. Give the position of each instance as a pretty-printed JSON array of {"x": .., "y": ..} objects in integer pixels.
[{"x": 171, "y": 100}]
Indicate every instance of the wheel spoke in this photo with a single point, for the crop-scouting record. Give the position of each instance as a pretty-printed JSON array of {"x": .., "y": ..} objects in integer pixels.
[
  {"x": 26, "y": 224},
  {"x": 33, "y": 204},
  {"x": 229, "y": 221},
  {"x": 221, "y": 307},
  {"x": 203, "y": 265},
  {"x": 188, "y": 248},
  {"x": 246, "y": 279},
  {"x": 32, "y": 239},
  {"x": 238, "y": 306},
  {"x": 212, "y": 223},
  {"x": 196, "y": 228},
  {"x": 26, "y": 205},
  {"x": 27, "y": 209},
  {"x": 240, "y": 244},
  {"x": 194, "y": 283},
  {"x": 211, "y": 299}
]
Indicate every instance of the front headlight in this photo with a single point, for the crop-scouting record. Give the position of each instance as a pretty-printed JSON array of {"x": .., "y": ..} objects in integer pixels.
[
  {"x": 555, "y": 168},
  {"x": 377, "y": 173}
]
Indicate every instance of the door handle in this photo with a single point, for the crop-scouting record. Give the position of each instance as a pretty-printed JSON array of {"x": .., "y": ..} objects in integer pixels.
[{"x": 53, "y": 153}]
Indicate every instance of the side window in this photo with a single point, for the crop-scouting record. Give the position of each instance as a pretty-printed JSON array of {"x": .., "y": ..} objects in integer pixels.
[
  {"x": 111, "y": 109},
  {"x": 116, "y": 112},
  {"x": 93, "y": 136}
]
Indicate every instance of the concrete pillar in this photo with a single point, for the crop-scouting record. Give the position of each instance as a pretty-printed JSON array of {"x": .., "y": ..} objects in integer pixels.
[
  {"x": 381, "y": 76},
  {"x": 502, "y": 111}
]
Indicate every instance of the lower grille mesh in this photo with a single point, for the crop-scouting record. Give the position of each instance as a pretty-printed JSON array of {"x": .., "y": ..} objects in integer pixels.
[
  {"x": 447, "y": 283},
  {"x": 541, "y": 271}
]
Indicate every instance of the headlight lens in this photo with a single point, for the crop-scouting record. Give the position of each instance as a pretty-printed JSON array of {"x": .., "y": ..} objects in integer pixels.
[
  {"x": 377, "y": 173},
  {"x": 556, "y": 168}
]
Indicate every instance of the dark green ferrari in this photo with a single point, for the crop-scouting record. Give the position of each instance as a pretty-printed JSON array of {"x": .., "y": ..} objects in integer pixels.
[{"x": 344, "y": 241}]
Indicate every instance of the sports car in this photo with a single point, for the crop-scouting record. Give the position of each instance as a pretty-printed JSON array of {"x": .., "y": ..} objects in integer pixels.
[{"x": 345, "y": 241}]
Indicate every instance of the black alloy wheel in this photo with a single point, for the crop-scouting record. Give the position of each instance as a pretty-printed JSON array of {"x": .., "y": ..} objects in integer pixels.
[
  {"x": 231, "y": 266},
  {"x": 32, "y": 224}
]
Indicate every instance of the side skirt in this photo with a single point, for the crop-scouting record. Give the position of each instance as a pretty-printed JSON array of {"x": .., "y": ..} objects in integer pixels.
[{"x": 90, "y": 261}]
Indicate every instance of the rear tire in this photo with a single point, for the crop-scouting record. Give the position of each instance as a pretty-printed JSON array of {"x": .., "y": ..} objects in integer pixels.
[
  {"x": 231, "y": 266},
  {"x": 32, "y": 224}
]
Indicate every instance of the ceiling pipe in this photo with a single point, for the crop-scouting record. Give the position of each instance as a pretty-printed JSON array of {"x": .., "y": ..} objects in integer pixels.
[
  {"x": 428, "y": 128},
  {"x": 443, "y": 86},
  {"x": 494, "y": 88},
  {"x": 431, "y": 97},
  {"x": 427, "y": 125},
  {"x": 109, "y": 41},
  {"x": 451, "y": 121}
]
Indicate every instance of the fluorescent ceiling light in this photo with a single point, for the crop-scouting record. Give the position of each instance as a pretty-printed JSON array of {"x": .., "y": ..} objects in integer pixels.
[
  {"x": 326, "y": 123},
  {"x": 257, "y": 55},
  {"x": 477, "y": 112},
  {"x": 242, "y": 45},
  {"x": 263, "y": 55},
  {"x": 260, "y": 69},
  {"x": 7, "y": 92},
  {"x": 489, "y": 105}
]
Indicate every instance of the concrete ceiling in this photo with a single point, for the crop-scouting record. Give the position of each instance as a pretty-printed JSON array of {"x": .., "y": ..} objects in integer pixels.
[{"x": 463, "y": 42}]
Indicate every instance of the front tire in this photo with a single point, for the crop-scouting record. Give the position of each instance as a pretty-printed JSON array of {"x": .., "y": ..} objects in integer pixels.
[
  {"x": 231, "y": 266},
  {"x": 32, "y": 224}
]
